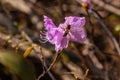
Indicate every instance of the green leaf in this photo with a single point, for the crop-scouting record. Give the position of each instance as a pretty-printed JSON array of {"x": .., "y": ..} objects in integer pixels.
[{"x": 17, "y": 64}]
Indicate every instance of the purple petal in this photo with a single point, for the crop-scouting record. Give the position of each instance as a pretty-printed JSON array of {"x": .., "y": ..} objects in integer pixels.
[
  {"x": 69, "y": 20},
  {"x": 58, "y": 37},
  {"x": 63, "y": 44},
  {"x": 50, "y": 34},
  {"x": 55, "y": 35},
  {"x": 78, "y": 35},
  {"x": 48, "y": 23},
  {"x": 75, "y": 21},
  {"x": 76, "y": 32}
]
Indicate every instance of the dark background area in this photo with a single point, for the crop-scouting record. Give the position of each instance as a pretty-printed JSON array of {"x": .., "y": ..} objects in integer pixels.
[{"x": 21, "y": 22}]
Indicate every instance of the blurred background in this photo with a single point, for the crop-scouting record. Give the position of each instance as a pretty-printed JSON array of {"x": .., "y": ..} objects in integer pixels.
[{"x": 21, "y": 22}]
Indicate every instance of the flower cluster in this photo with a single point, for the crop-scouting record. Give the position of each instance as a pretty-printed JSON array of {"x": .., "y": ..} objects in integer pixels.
[{"x": 70, "y": 30}]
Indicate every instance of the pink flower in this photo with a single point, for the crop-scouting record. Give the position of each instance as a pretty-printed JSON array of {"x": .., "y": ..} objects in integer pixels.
[{"x": 70, "y": 30}]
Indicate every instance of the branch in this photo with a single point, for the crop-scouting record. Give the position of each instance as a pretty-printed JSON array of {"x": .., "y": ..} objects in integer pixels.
[
  {"x": 107, "y": 7},
  {"x": 106, "y": 30}
]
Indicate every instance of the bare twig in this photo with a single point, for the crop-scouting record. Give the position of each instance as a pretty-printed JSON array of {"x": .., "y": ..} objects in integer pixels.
[
  {"x": 19, "y": 4},
  {"x": 53, "y": 62},
  {"x": 95, "y": 14},
  {"x": 42, "y": 58},
  {"x": 107, "y": 7},
  {"x": 106, "y": 30},
  {"x": 92, "y": 25},
  {"x": 51, "y": 65},
  {"x": 14, "y": 41}
]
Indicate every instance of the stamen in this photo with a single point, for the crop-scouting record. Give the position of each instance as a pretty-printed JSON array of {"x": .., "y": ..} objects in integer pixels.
[{"x": 43, "y": 38}]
